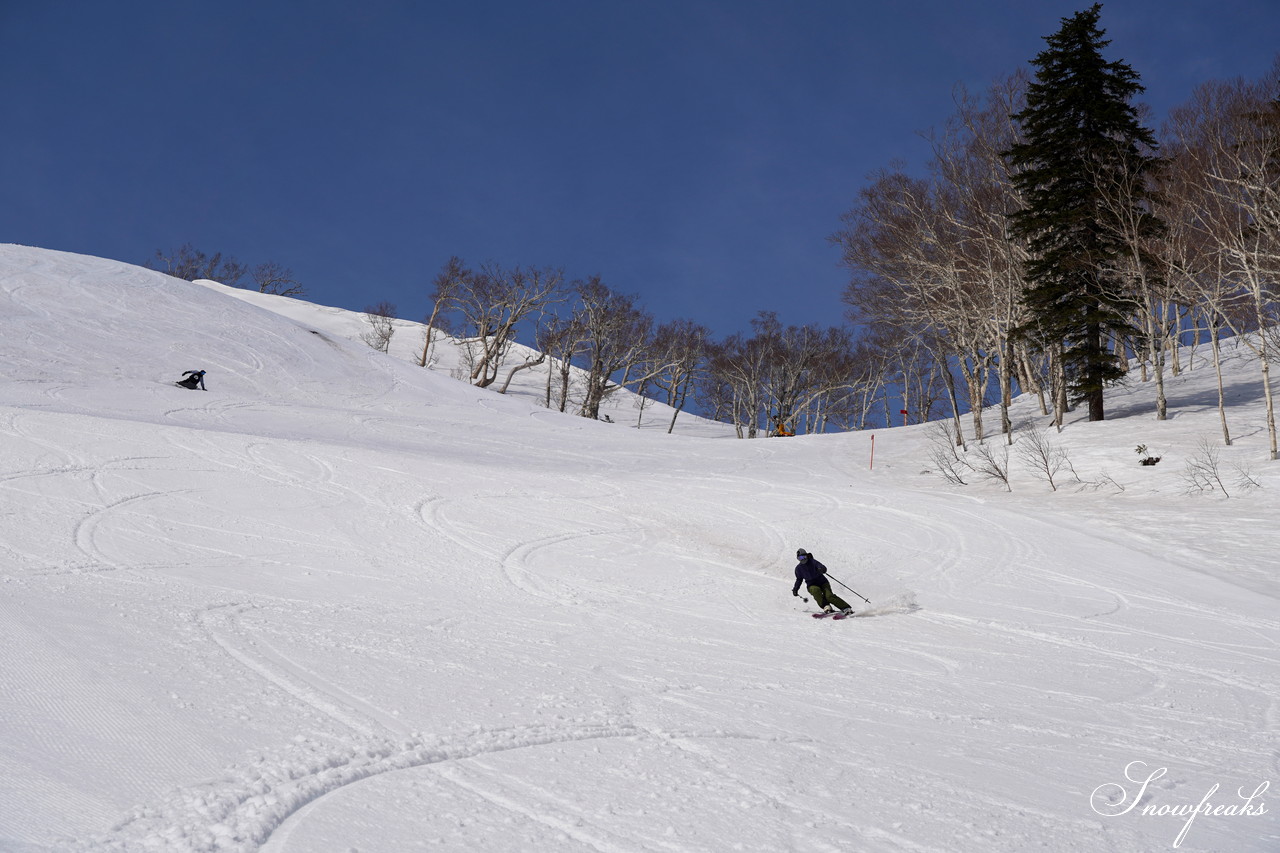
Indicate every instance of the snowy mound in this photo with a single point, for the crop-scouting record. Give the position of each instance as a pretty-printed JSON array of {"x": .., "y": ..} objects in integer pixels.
[{"x": 102, "y": 337}]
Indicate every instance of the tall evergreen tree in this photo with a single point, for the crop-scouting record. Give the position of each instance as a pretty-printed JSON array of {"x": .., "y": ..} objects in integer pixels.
[{"x": 1081, "y": 137}]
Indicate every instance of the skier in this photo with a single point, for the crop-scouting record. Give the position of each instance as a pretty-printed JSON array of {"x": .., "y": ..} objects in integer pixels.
[
  {"x": 812, "y": 573},
  {"x": 192, "y": 379}
]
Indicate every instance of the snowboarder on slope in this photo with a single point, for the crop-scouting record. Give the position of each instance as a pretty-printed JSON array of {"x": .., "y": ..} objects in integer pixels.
[
  {"x": 192, "y": 379},
  {"x": 812, "y": 573}
]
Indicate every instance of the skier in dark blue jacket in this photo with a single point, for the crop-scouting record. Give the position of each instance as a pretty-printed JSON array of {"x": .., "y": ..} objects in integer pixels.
[
  {"x": 814, "y": 575},
  {"x": 192, "y": 379}
]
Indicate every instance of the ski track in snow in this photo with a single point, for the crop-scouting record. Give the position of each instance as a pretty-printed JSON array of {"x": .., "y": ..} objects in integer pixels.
[
  {"x": 223, "y": 627},
  {"x": 239, "y": 813}
]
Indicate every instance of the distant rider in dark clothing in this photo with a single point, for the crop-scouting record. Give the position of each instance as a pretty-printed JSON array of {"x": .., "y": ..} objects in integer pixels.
[
  {"x": 192, "y": 379},
  {"x": 814, "y": 575}
]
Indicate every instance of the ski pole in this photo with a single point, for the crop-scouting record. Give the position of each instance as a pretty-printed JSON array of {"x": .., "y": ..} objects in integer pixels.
[{"x": 854, "y": 591}]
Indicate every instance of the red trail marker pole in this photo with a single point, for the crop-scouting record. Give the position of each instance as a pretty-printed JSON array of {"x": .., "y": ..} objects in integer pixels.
[{"x": 872, "y": 467}]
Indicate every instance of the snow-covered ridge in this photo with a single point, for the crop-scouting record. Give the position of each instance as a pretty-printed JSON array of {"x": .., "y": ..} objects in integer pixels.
[
  {"x": 446, "y": 356},
  {"x": 339, "y": 602}
]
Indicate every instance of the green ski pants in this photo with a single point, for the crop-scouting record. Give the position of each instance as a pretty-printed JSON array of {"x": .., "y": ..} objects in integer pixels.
[{"x": 823, "y": 596}]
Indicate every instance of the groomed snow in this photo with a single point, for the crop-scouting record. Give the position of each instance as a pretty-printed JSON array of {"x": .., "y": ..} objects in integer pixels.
[{"x": 342, "y": 603}]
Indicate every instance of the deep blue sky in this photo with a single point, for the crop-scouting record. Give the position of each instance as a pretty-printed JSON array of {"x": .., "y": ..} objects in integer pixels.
[{"x": 697, "y": 153}]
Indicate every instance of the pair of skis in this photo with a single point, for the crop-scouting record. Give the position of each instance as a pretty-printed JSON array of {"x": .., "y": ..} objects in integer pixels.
[{"x": 833, "y": 614}]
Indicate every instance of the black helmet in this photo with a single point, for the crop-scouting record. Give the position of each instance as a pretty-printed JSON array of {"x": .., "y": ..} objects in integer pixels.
[{"x": 802, "y": 552}]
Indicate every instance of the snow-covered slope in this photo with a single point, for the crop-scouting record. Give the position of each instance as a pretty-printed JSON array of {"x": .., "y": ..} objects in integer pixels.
[{"x": 341, "y": 603}]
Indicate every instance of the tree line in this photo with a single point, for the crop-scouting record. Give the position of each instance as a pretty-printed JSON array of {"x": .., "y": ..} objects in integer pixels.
[
  {"x": 191, "y": 264},
  {"x": 776, "y": 380},
  {"x": 1052, "y": 242}
]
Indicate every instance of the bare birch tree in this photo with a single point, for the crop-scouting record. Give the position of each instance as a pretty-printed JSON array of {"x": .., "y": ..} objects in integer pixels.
[
  {"x": 560, "y": 340},
  {"x": 615, "y": 336},
  {"x": 969, "y": 156},
  {"x": 1127, "y": 200},
  {"x": 381, "y": 320},
  {"x": 276, "y": 279},
  {"x": 492, "y": 302},
  {"x": 444, "y": 287},
  {"x": 677, "y": 362}
]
